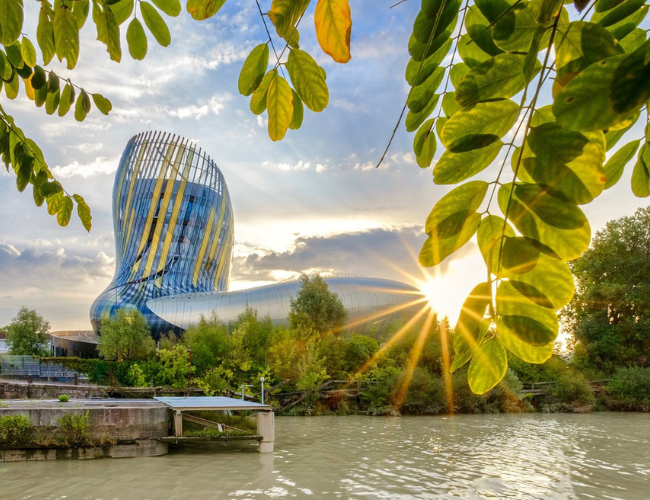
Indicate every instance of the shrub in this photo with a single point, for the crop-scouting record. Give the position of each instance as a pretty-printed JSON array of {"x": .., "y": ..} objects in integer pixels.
[
  {"x": 631, "y": 386},
  {"x": 15, "y": 429},
  {"x": 75, "y": 429},
  {"x": 425, "y": 393},
  {"x": 216, "y": 381},
  {"x": 64, "y": 398},
  {"x": 136, "y": 377}
]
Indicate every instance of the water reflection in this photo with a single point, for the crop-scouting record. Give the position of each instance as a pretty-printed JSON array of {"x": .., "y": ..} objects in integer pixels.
[{"x": 604, "y": 456}]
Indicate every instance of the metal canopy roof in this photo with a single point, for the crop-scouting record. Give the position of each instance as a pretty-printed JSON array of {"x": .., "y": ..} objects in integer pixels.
[{"x": 210, "y": 403}]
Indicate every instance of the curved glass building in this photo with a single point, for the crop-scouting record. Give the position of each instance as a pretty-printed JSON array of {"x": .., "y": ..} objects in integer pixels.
[
  {"x": 173, "y": 225},
  {"x": 174, "y": 238}
]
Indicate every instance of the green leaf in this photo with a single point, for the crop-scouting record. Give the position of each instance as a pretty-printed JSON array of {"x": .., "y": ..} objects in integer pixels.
[
  {"x": 50, "y": 188},
  {"x": 439, "y": 46},
  {"x": 418, "y": 72},
  {"x": 424, "y": 144},
  {"x": 565, "y": 162},
  {"x": 498, "y": 77},
  {"x": 584, "y": 104},
  {"x": 528, "y": 353},
  {"x": 108, "y": 29},
  {"x": 488, "y": 366},
  {"x": 64, "y": 211},
  {"x": 253, "y": 69},
  {"x": 258, "y": 100},
  {"x": 471, "y": 53},
  {"x": 558, "y": 224},
  {"x": 616, "y": 164},
  {"x": 604, "y": 5},
  {"x": 531, "y": 323},
  {"x": 449, "y": 105},
  {"x": 82, "y": 107},
  {"x": 414, "y": 120},
  {"x": 52, "y": 102},
  {"x": 453, "y": 168},
  {"x": 67, "y": 98},
  {"x": 641, "y": 173},
  {"x": 12, "y": 87},
  {"x": 6, "y": 69},
  {"x": 45, "y": 31},
  {"x": 201, "y": 10},
  {"x": 80, "y": 9},
  {"x": 156, "y": 23},
  {"x": 421, "y": 95},
  {"x": 537, "y": 272},
  {"x": 633, "y": 41},
  {"x": 11, "y": 20},
  {"x": 137, "y": 40},
  {"x": 515, "y": 30},
  {"x": 28, "y": 51},
  {"x": 623, "y": 28},
  {"x": 614, "y": 135},
  {"x": 457, "y": 72},
  {"x": 122, "y": 10},
  {"x": 426, "y": 20},
  {"x": 629, "y": 88},
  {"x": 170, "y": 7},
  {"x": 280, "y": 107},
  {"x": 622, "y": 11},
  {"x": 38, "y": 79},
  {"x": 308, "y": 80},
  {"x": 83, "y": 211},
  {"x": 298, "y": 112},
  {"x": 478, "y": 28},
  {"x": 53, "y": 82},
  {"x": 15, "y": 56},
  {"x": 471, "y": 328},
  {"x": 452, "y": 222},
  {"x": 24, "y": 171},
  {"x": 489, "y": 235},
  {"x": 479, "y": 125},
  {"x": 40, "y": 95},
  {"x": 103, "y": 104},
  {"x": 66, "y": 37},
  {"x": 580, "y": 44}
]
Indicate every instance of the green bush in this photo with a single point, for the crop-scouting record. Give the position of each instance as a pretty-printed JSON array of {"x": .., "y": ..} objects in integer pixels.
[
  {"x": 425, "y": 393},
  {"x": 64, "y": 398},
  {"x": 631, "y": 386},
  {"x": 75, "y": 429},
  {"x": 136, "y": 376},
  {"x": 15, "y": 429}
]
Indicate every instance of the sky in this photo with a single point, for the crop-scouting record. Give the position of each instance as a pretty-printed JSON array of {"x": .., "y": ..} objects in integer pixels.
[{"x": 313, "y": 202}]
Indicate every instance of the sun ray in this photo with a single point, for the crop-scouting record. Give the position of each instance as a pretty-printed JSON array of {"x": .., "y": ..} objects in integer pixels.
[{"x": 414, "y": 359}]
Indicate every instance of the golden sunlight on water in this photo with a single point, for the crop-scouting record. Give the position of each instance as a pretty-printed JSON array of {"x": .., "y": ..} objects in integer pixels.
[{"x": 596, "y": 456}]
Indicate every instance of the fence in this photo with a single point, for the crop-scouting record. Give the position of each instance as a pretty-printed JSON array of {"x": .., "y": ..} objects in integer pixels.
[{"x": 29, "y": 366}]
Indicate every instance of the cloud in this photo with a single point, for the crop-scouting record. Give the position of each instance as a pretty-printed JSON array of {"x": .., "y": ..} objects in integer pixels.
[
  {"x": 100, "y": 166},
  {"x": 197, "y": 111},
  {"x": 383, "y": 252}
]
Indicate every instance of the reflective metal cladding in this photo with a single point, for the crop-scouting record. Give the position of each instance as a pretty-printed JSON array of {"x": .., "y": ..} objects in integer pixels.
[{"x": 174, "y": 237}]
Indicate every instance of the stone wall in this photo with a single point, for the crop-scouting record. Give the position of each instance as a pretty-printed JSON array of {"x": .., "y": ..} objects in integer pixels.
[
  {"x": 145, "y": 448},
  {"x": 117, "y": 422},
  {"x": 19, "y": 389}
]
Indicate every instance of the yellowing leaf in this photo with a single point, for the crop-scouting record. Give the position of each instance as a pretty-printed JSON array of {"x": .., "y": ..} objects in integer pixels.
[
  {"x": 83, "y": 210},
  {"x": 28, "y": 52},
  {"x": 11, "y": 20},
  {"x": 253, "y": 69},
  {"x": 45, "y": 31},
  {"x": 308, "y": 80},
  {"x": 284, "y": 14},
  {"x": 203, "y": 9},
  {"x": 280, "y": 106},
  {"x": 64, "y": 210},
  {"x": 333, "y": 28},
  {"x": 66, "y": 36}
]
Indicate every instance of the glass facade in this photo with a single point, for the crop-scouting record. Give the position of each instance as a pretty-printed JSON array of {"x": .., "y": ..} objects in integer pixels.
[
  {"x": 174, "y": 237},
  {"x": 173, "y": 225}
]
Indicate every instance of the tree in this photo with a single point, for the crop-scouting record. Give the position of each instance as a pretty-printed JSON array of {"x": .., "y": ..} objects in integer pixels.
[
  {"x": 209, "y": 342},
  {"x": 28, "y": 334},
  {"x": 125, "y": 336},
  {"x": 527, "y": 219},
  {"x": 316, "y": 307},
  {"x": 609, "y": 317}
]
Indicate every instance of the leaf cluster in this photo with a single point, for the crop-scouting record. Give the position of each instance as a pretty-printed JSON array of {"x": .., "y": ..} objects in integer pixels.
[{"x": 484, "y": 109}]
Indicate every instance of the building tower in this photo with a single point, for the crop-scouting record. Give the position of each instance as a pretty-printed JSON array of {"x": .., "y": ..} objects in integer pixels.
[{"x": 174, "y": 227}]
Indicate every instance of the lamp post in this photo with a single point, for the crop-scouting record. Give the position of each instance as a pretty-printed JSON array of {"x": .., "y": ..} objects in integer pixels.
[
  {"x": 262, "y": 381},
  {"x": 243, "y": 391}
]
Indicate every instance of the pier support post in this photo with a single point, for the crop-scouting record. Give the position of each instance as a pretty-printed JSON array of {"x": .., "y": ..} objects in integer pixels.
[
  {"x": 266, "y": 429},
  {"x": 178, "y": 423}
]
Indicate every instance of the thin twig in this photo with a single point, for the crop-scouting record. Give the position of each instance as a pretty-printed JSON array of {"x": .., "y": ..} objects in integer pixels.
[
  {"x": 269, "y": 34},
  {"x": 398, "y": 3}
]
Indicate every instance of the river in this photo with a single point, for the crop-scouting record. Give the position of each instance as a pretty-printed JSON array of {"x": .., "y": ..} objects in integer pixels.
[{"x": 530, "y": 456}]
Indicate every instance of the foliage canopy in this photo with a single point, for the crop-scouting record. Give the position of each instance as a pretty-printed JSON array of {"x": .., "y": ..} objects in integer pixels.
[
  {"x": 126, "y": 336},
  {"x": 609, "y": 317},
  {"x": 28, "y": 334}
]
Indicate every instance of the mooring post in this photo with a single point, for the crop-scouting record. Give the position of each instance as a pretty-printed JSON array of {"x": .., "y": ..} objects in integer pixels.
[
  {"x": 266, "y": 429},
  {"x": 178, "y": 423}
]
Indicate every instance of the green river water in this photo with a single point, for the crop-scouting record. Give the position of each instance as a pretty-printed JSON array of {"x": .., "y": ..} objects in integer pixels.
[{"x": 530, "y": 456}]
